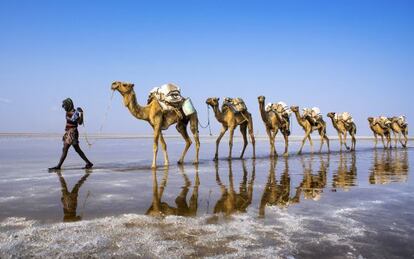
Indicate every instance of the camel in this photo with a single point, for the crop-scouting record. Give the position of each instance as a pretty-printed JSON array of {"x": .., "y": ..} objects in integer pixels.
[
  {"x": 399, "y": 130},
  {"x": 382, "y": 129},
  {"x": 308, "y": 128},
  {"x": 160, "y": 120},
  {"x": 273, "y": 122},
  {"x": 230, "y": 120},
  {"x": 342, "y": 128}
]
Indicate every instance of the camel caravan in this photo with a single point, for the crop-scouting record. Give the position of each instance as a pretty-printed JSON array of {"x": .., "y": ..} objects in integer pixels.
[{"x": 166, "y": 106}]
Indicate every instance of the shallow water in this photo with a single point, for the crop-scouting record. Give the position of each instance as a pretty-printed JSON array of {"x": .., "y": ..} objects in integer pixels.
[{"x": 315, "y": 205}]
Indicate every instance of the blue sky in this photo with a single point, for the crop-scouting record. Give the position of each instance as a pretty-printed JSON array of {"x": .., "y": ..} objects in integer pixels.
[{"x": 355, "y": 56}]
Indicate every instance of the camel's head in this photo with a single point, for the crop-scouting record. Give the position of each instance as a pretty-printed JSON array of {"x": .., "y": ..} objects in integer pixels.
[
  {"x": 261, "y": 99},
  {"x": 331, "y": 114},
  {"x": 371, "y": 119},
  {"x": 122, "y": 87},
  {"x": 213, "y": 101},
  {"x": 294, "y": 108}
]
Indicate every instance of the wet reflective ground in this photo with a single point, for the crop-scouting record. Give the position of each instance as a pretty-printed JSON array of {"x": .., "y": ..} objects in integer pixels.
[{"x": 340, "y": 204}]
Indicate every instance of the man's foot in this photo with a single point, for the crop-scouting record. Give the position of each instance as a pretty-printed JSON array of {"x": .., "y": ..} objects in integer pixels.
[
  {"x": 88, "y": 166},
  {"x": 54, "y": 168}
]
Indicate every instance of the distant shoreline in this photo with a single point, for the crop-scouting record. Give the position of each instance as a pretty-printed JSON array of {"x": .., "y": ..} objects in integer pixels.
[{"x": 147, "y": 136}]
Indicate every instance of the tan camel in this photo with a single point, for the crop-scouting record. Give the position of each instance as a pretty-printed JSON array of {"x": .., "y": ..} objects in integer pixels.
[
  {"x": 159, "y": 120},
  {"x": 273, "y": 122},
  {"x": 308, "y": 128},
  {"x": 229, "y": 121},
  {"x": 382, "y": 129},
  {"x": 342, "y": 128},
  {"x": 399, "y": 130}
]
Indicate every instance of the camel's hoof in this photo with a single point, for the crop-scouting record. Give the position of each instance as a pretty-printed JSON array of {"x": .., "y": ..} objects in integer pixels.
[
  {"x": 153, "y": 167},
  {"x": 347, "y": 148},
  {"x": 180, "y": 162},
  {"x": 228, "y": 158},
  {"x": 285, "y": 154},
  {"x": 215, "y": 158},
  {"x": 195, "y": 162}
]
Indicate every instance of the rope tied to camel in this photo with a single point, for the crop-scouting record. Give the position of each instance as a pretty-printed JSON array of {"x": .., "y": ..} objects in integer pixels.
[
  {"x": 108, "y": 108},
  {"x": 208, "y": 121}
]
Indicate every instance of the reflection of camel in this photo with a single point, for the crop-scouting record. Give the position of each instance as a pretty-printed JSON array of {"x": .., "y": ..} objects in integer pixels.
[
  {"x": 381, "y": 129},
  {"x": 231, "y": 202},
  {"x": 275, "y": 194},
  {"x": 70, "y": 199},
  {"x": 273, "y": 122},
  {"x": 345, "y": 177},
  {"x": 342, "y": 128},
  {"x": 389, "y": 166},
  {"x": 309, "y": 128},
  {"x": 160, "y": 208},
  {"x": 159, "y": 120},
  {"x": 399, "y": 130},
  {"x": 312, "y": 185},
  {"x": 229, "y": 121}
]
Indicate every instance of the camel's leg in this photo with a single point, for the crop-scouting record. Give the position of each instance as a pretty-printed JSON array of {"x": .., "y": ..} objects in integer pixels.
[
  {"x": 274, "y": 142},
  {"x": 251, "y": 133},
  {"x": 194, "y": 130},
  {"x": 182, "y": 128},
  {"x": 157, "y": 132},
  {"x": 223, "y": 131},
  {"x": 405, "y": 139},
  {"x": 340, "y": 140},
  {"x": 310, "y": 141},
  {"x": 321, "y": 144},
  {"x": 271, "y": 142},
  {"x": 388, "y": 140},
  {"x": 395, "y": 139},
  {"x": 346, "y": 146},
  {"x": 243, "y": 130},
  {"x": 164, "y": 149},
  {"x": 383, "y": 143},
  {"x": 376, "y": 139},
  {"x": 286, "y": 136},
  {"x": 327, "y": 141},
  {"x": 307, "y": 135},
  {"x": 231, "y": 134},
  {"x": 353, "y": 141}
]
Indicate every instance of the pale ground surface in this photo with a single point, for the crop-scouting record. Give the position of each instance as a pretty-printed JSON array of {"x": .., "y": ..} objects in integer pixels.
[{"x": 327, "y": 206}]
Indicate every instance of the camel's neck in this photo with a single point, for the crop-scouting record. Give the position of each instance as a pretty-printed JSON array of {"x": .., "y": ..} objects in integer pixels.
[
  {"x": 334, "y": 123},
  {"x": 130, "y": 101},
  {"x": 299, "y": 118},
  {"x": 263, "y": 112},
  {"x": 217, "y": 113}
]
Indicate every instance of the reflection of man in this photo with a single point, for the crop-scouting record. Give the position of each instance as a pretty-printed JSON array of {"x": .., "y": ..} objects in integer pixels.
[
  {"x": 70, "y": 199},
  {"x": 231, "y": 202}
]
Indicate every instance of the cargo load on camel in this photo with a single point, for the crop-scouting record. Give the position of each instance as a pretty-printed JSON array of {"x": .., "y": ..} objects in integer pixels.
[
  {"x": 280, "y": 108},
  {"x": 170, "y": 99},
  {"x": 383, "y": 121},
  {"x": 345, "y": 117},
  {"x": 313, "y": 115},
  {"x": 237, "y": 105}
]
